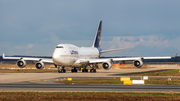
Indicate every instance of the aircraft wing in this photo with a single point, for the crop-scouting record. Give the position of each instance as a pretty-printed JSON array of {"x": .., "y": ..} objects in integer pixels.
[
  {"x": 47, "y": 60},
  {"x": 112, "y": 50},
  {"x": 83, "y": 61},
  {"x": 91, "y": 61},
  {"x": 142, "y": 58},
  {"x": 139, "y": 58}
]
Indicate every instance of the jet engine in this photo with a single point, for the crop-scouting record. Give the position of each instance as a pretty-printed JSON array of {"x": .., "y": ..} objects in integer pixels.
[
  {"x": 21, "y": 63},
  {"x": 138, "y": 63},
  {"x": 39, "y": 65},
  {"x": 106, "y": 65}
]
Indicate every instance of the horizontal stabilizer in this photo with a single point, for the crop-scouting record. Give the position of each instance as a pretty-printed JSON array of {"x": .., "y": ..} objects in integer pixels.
[{"x": 175, "y": 55}]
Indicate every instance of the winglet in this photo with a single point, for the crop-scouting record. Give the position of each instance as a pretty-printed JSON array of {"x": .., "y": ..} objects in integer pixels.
[
  {"x": 175, "y": 55},
  {"x": 3, "y": 56}
]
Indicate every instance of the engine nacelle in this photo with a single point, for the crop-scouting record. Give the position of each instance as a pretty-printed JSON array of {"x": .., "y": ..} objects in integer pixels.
[
  {"x": 106, "y": 65},
  {"x": 21, "y": 63},
  {"x": 138, "y": 63},
  {"x": 39, "y": 65}
]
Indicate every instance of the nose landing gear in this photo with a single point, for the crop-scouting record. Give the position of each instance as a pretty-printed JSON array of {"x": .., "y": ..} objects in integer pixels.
[{"x": 61, "y": 70}]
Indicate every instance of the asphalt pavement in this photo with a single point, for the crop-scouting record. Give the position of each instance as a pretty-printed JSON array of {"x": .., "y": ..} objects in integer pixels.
[{"x": 88, "y": 88}]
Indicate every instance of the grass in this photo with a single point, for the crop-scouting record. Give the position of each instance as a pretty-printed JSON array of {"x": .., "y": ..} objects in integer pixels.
[
  {"x": 117, "y": 81},
  {"x": 88, "y": 96},
  {"x": 92, "y": 81},
  {"x": 27, "y": 71},
  {"x": 162, "y": 73},
  {"x": 9, "y": 65},
  {"x": 163, "y": 81}
]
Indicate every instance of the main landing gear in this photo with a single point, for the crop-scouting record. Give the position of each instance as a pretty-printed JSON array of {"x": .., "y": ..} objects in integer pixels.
[
  {"x": 93, "y": 70},
  {"x": 84, "y": 70},
  {"x": 74, "y": 70},
  {"x": 61, "y": 70},
  {"x": 93, "y": 66}
]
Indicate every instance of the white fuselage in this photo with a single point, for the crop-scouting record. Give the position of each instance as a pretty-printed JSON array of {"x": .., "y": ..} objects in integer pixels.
[{"x": 68, "y": 54}]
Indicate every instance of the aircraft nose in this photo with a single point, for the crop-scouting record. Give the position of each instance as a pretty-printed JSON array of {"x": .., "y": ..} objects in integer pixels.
[{"x": 55, "y": 56}]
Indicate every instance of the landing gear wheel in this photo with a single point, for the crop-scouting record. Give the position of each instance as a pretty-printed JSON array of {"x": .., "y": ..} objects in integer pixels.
[
  {"x": 75, "y": 70},
  {"x": 72, "y": 70},
  {"x": 93, "y": 70},
  {"x": 59, "y": 71},
  {"x": 63, "y": 70},
  {"x": 85, "y": 70}
]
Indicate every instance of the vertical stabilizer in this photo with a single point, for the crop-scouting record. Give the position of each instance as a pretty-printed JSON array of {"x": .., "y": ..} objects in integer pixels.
[{"x": 97, "y": 39}]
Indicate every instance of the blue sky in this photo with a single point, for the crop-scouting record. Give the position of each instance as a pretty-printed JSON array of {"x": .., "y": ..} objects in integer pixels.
[{"x": 35, "y": 27}]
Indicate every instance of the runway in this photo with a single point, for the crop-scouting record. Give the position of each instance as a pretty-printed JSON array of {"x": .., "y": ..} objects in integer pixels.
[
  {"x": 45, "y": 81},
  {"x": 88, "y": 88}
]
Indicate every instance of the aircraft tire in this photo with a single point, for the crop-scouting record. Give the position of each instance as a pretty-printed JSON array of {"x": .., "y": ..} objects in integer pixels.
[
  {"x": 59, "y": 71},
  {"x": 63, "y": 70},
  {"x": 72, "y": 70},
  {"x": 84, "y": 70},
  {"x": 93, "y": 70}
]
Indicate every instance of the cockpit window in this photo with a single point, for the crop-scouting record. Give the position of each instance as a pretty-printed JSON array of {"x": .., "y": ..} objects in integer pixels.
[{"x": 59, "y": 47}]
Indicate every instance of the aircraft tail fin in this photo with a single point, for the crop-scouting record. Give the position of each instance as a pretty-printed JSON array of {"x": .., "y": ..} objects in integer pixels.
[{"x": 97, "y": 39}]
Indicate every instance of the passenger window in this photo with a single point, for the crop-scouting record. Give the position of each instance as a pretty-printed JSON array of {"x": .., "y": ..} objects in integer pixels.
[{"x": 59, "y": 47}]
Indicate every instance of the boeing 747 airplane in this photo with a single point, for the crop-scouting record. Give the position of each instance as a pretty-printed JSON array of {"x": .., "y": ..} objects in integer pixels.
[{"x": 69, "y": 55}]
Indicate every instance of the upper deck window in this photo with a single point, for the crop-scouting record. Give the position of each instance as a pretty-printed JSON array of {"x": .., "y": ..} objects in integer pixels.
[{"x": 59, "y": 47}]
